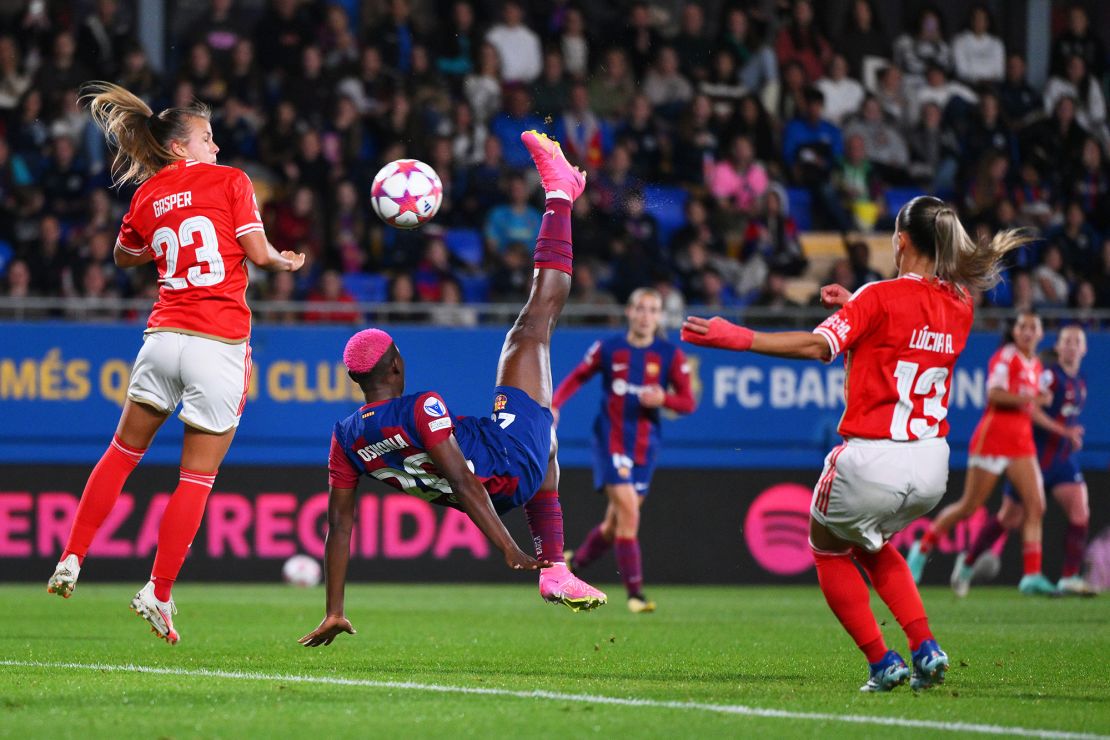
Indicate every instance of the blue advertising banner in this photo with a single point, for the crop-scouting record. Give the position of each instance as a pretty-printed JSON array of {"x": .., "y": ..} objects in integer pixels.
[{"x": 62, "y": 386}]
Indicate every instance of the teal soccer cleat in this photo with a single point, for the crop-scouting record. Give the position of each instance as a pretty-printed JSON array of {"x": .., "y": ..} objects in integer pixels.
[
  {"x": 929, "y": 666},
  {"x": 888, "y": 673}
]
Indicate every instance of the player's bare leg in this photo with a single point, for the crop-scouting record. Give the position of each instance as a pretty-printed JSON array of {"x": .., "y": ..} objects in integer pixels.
[
  {"x": 201, "y": 455},
  {"x": 1025, "y": 476},
  {"x": 136, "y": 429},
  {"x": 624, "y": 502},
  {"x": 977, "y": 489}
]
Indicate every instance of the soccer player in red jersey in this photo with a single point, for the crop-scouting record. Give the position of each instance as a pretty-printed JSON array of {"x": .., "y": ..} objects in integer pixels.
[
  {"x": 1003, "y": 443},
  {"x": 900, "y": 338},
  {"x": 199, "y": 223},
  {"x": 484, "y": 465},
  {"x": 641, "y": 373}
]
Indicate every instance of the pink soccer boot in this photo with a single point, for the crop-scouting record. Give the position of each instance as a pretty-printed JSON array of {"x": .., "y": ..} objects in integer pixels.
[
  {"x": 559, "y": 586},
  {"x": 560, "y": 178}
]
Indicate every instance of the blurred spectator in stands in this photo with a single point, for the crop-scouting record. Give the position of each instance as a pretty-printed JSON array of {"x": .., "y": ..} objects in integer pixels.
[
  {"x": 18, "y": 282},
  {"x": 891, "y": 94},
  {"x": 862, "y": 36},
  {"x": 1078, "y": 84},
  {"x": 988, "y": 132},
  {"x": 432, "y": 271},
  {"x": 519, "y": 115},
  {"x": 935, "y": 152},
  {"x": 277, "y": 145},
  {"x": 640, "y": 38},
  {"x": 639, "y": 229},
  {"x": 843, "y": 95},
  {"x": 61, "y": 71},
  {"x": 552, "y": 89},
  {"x": 347, "y": 140},
  {"x": 954, "y": 98},
  {"x": 842, "y": 273},
  {"x": 883, "y": 143},
  {"x": 204, "y": 76},
  {"x": 979, "y": 55},
  {"x": 645, "y": 140},
  {"x": 347, "y": 220},
  {"x": 812, "y": 148},
  {"x": 612, "y": 87},
  {"x": 1085, "y": 301},
  {"x": 1057, "y": 142},
  {"x": 469, "y": 135},
  {"x": 591, "y": 231},
  {"x": 1033, "y": 196},
  {"x": 310, "y": 88},
  {"x": 330, "y": 290},
  {"x": 574, "y": 44},
  {"x": 451, "y": 311},
  {"x": 482, "y": 186},
  {"x": 402, "y": 126},
  {"x": 102, "y": 40},
  {"x": 723, "y": 89},
  {"x": 696, "y": 228},
  {"x": 773, "y": 296},
  {"x": 692, "y": 45},
  {"x": 309, "y": 167},
  {"x": 754, "y": 122},
  {"x": 611, "y": 187},
  {"x": 1050, "y": 287},
  {"x": 512, "y": 275},
  {"x": 517, "y": 45},
  {"x": 914, "y": 52},
  {"x": 1077, "y": 240},
  {"x": 95, "y": 250},
  {"x": 371, "y": 85},
  {"x": 859, "y": 258},
  {"x": 49, "y": 260},
  {"x": 458, "y": 43},
  {"x": 754, "y": 58},
  {"x": 739, "y": 182},
  {"x": 801, "y": 41},
  {"x": 1020, "y": 102},
  {"x": 235, "y": 130},
  {"x": 138, "y": 76},
  {"x": 483, "y": 87},
  {"x": 584, "y": 292},
  {"x": 396, "y": 37},
  {"x": 1079, "y": 41},
  {"x": 282, "y": 288},
  {"x": 30, "y": 205},
  {"x": 515, "y": 221},
  {"x": 665, "y": 86},
  {"x": 774, "y": 235},
  {"x": 586, "y": 139},
  {"x": 792, "y": 93},
  {"x": 989, "y": 184},
  {"x": 857, "y": 180},
  {"x": 427, "y": 89},
  {"x": 14, "y": 79},
  {"x": 1089, "y": 184},
  {"x": 95, "y": 287},
  {"x": 101, "y": 213},
  {"x": 64, "y": 182},
  {"x": 295, "y": 221},
  {"x": 220, "y": 28},
  {"x": 1101, "y": 276},
  {"x": 696, "y": 143},
  {"x": 280, "y": 35},
  {"x": 337, "y": 40}
]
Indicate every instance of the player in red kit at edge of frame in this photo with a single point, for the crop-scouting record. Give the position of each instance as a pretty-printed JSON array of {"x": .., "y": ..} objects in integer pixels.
[
  {"x": 1058, "y": 436},
  {"x": 636, "y": 367},
  {"x": 901, "y": 338},
  {"x": 484, "y": 466},
  {"x": 199, "y": 223},
  {"x": 1002, "y": 443}
]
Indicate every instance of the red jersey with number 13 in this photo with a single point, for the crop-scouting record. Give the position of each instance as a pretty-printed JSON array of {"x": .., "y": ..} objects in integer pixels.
[
  {"x": 901, "y": 339},
  {"x": 191, "y": 215}
]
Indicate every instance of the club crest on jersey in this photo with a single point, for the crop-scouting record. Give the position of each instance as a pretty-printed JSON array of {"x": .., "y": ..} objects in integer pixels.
[
  {"x": 433, "y": 407},
  {"x": 500, "y": 401},
  {"x": 651, "y": 368}
]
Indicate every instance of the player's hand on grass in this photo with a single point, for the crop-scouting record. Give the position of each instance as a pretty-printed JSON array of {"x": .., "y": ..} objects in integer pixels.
[
  {"x": 716, "y": 332},
  {"x": 652, "y": 397},
  {"x": 517, "y": 559},
  {"x": 328, "y": 630},
  {"x": 834, "y": 296},
  {"x": 296, "y": 259}
]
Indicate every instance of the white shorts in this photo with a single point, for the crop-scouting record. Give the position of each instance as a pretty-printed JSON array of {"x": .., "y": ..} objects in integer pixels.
[
  {"x": 208, "y": 378},
  {"x": 871, "y": 489},
  {"x": 995, "y": 464}
]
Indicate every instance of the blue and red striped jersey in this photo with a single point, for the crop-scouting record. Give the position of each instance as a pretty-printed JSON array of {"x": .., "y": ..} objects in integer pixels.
[
  {"x": 389, "y": 440},
  {"x": 1069, "y": 394},
  {"x": 628, "y": 427}
]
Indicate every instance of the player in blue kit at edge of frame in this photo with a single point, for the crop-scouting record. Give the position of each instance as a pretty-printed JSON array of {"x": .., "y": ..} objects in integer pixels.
[{"x": 483, "y": 466}]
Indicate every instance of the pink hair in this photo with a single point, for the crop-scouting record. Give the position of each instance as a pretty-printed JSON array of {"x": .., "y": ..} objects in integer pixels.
[{"x": 364, "y": 349}]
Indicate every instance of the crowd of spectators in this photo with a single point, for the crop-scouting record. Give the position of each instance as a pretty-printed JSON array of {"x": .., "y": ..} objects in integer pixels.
[{"x": 712, "y": 141}]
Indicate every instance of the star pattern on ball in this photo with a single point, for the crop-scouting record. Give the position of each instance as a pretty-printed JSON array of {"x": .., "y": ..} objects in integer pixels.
[{"x": 407, "y": 204}]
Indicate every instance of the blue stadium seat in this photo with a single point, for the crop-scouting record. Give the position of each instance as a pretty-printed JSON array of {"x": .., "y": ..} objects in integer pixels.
[
  {"x": 801, "y": 208},
  {"x": 668, "y": 206},
  {"x": 6, "y": 254},
  {"x": 898, "y": 197},
  {"x": 366, "y": 288},
  {"x": 475, "y": 288},
  {"x": 465, "y": 244}
]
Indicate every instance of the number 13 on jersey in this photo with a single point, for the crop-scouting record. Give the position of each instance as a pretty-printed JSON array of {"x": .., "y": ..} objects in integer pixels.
[{"x": 929, "y": 385}]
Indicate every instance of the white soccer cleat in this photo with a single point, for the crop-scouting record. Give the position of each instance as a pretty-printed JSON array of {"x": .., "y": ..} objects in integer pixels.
[
  {"x": 64, "y": 579},
  {"x": 1074, "y": 586},
  {"x": 961, "y": 576},
  {"x": 159, "y": 614},
  {"x": 986, "y": 567}
]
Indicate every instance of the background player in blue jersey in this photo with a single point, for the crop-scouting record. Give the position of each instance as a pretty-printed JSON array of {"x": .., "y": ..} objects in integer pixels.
[
  {"x": 641, "y": 373},
  {"x": 1059, "y": 437},
  {"x": 482, "y": 465}
]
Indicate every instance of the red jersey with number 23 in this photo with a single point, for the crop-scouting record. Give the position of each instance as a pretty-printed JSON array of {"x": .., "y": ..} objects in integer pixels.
[
  {"x": 191, "y": 215},
  {"x": 900, "y": 339}
]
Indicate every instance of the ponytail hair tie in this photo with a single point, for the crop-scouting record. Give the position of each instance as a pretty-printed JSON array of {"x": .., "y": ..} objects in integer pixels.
[{"x": 151, "y": 119}]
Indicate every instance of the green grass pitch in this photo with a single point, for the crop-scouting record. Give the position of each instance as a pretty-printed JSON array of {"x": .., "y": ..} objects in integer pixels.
[{"x": 1017, "y": 662}]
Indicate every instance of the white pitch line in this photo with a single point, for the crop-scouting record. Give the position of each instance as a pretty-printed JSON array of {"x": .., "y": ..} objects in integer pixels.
[{"x": 735, "y": 709}]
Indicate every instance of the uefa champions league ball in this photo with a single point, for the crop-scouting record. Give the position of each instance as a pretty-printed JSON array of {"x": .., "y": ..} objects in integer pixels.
[
  {"x": 406, "y": 193},
  {"x": 301, "y": 570}
]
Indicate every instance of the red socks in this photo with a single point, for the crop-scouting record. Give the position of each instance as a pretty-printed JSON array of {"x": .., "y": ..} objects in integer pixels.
[
  {"x": 985, "y": 539},
  {"x": 180, "y": 523},
  {"x": 553, "y": 245},
  {"x": 893, "y": 582},
  {"x": 850, "y": 600},
  {"x": 630, "y": 565},
  {"x": 593, "y": 547},
  {"x": 1031, "y": 558},
  {"x": 928, "y": 540},
  {"x": 545, "y": 521},
  {"x": 100, "y": 494},
  {"x": 1075, "y": 542}
]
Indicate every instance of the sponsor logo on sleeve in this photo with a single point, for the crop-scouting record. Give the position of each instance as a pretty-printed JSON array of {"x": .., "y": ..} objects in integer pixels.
[
  {"x": 444, "y": 423},
  {"x": 838, "y": 325},
  {"x": 500, "y": 401},
  {"x": 434, "y": 407}
]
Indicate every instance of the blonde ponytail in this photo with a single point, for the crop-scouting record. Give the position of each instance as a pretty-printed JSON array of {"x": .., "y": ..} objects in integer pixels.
[{"x": 141, "y": 138}]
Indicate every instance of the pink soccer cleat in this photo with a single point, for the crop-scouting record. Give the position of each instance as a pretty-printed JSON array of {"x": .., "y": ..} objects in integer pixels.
[
  {"x": 559, "y": 586},
  {"x": 560, "y": 178}
]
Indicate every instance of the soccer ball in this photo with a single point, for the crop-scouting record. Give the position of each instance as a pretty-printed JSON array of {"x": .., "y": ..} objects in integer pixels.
[
  {"x": 301, "y": 570},
  {"x": 406, "y": 193}
]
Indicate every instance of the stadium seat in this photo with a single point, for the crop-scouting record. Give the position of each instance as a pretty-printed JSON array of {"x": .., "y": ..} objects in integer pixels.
[
  {"x": 898, "y": 197},
  {"x": 6, "y": 253},
  {"x": 366, "y": 288},
  {"x": 668, "y": 206},
  {"x": 475, "y": 288},
  {"x": 801, "y": 208},
  {"x": 465, "y": 244}
]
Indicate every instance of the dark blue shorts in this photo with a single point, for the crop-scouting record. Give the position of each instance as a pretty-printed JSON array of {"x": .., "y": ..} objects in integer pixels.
[
  {"x": 1061, "y": 471},
  {"x": 527, "y": 429},
  {"x": 614, "y": 468}
]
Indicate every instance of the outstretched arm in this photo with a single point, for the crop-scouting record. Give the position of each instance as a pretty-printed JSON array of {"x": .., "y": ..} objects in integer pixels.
[
  {"x": 124, "y": 257},
  {"x": 722, "y": 334},
  {"x": 574, "y": 380},
  {"x": 337, "y": 553},
  {"x": 680, "y": 398},
  {"x": 474, "y": 499}
]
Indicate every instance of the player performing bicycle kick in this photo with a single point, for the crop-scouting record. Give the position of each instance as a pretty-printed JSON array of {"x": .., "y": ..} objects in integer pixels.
[{"x": 482, "y": 465}]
